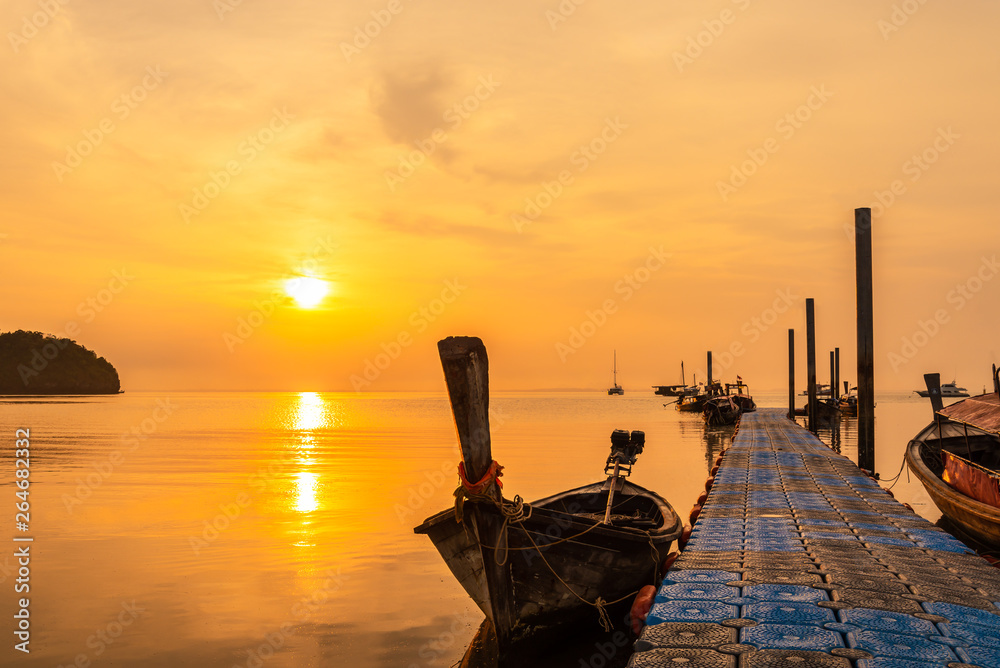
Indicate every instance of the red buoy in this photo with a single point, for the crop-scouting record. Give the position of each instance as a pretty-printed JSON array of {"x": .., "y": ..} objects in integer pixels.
[
  {"x": 695, "y": 511},
  {"x": 685, "y": 537},
  {"x": 640, "y": 608}
]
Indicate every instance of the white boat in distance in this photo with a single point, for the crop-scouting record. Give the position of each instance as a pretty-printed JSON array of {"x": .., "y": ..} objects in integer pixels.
[{"x": 947, "y": 390}]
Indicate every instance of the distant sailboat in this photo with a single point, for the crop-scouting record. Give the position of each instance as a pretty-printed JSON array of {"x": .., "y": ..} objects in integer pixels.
[
  {"x": 616, "y": 389},
  {"x": 682, "y": 390}
]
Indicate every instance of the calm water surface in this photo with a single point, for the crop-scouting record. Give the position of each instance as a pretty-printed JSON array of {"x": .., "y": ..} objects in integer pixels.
[{"x": 275, "y": 529}]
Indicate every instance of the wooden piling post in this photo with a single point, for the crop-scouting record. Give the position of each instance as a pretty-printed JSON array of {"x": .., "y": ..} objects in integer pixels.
[
  {"x": 466, "y": 372},
  {"x": 833, "y": 377},
  {"x": 791, "y": 374},
  {"x": 933, "y": 383},
  {"x": 811, "y": 362},
  {"x": 866, "y": 337},
  {"x": 708, "y": 388},
  {"x": 835, "y": 390}
]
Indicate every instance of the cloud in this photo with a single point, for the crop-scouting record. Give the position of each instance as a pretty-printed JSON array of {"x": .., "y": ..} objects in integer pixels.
[{"x": 410, "y": 102}]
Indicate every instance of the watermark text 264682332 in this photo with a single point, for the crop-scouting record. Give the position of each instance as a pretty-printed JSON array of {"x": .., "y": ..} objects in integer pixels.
[
  {"x": 248, "y": 150},
  {"x": 22, "y": 474},
  {"x": 121, "y": 108}
]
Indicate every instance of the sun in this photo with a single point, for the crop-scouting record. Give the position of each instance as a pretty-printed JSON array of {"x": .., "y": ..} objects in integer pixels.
[{"x": 306, "y": 290}]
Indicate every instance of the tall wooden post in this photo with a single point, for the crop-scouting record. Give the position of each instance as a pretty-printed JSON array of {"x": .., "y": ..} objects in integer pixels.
[
  {"x": 466, "y": 372},
  {"x": 811, "y": 362},
  {"x": 836, "y": 384},
  {"x": 833, "y": 378},
  {"x": 933, "y": 383},
  {"x": 708, "y": 389},
  {"x": 866, "y": 339},
  {"x": 791, "y": 374}
]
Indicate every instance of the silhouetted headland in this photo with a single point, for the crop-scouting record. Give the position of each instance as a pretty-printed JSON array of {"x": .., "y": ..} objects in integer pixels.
[{"x": 36, "y": 363}]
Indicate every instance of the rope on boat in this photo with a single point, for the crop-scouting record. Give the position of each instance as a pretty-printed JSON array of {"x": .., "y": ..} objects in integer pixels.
[
  {"x": 516, "y": 512},
  {"x": 895, "y": 478}
]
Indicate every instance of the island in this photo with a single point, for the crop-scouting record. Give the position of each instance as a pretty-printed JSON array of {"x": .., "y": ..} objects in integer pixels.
[{"x": 37, "y": 363}]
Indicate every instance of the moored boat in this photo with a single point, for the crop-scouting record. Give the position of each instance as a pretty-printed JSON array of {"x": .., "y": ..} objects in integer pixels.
[
  {"x": 721, "y": 410},
  {"x": 680, "y": 390},
  {"x": 849, "y": 401},
  {"x": 692, "y": 404},
  {"x": 562, "y": 556},
  {"x": 741, "y": 398},
  {"x": 538, "y": 565},
  {"x": 957, "y": 459}
]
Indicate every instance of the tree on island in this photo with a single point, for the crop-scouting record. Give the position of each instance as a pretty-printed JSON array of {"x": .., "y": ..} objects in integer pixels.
[{"x": 36, "y": 363}]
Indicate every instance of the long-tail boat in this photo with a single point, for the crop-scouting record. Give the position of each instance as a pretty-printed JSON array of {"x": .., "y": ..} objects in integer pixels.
[
  {"x": 531, "y": 566},
  {"x": 957, "y": 457}
]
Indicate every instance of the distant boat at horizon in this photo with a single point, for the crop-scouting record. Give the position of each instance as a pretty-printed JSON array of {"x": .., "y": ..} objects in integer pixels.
[
  {"x": 681, "y": 390},
  {"x": 947, "y": 390},
  {"x": 821, "y": 391},
  {"x": 616, "y": 388}
]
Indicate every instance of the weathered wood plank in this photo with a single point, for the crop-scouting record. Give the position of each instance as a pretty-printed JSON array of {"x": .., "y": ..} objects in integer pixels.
[{"x": 466, "y": 372}]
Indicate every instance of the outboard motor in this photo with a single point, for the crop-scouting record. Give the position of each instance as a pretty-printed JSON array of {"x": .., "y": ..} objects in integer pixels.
[{"x": 625, "y": 450}]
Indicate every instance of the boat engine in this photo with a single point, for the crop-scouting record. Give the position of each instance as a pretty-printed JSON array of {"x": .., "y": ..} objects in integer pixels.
[{"x": 625, "y": 450}]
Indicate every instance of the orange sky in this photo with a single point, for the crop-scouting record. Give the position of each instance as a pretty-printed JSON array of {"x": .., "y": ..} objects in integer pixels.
[{"x": 521, "y": 161}]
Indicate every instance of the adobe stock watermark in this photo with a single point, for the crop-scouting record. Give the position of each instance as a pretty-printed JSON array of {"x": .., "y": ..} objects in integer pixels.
[
  {"x": 121, "y": 109},
  {"x": 899, "y": 17},
  {"x": 582, "y": 158},
  {"x": 301, "y": 611},
  {"x": 786, "y": 127},
  {"x": 263, "y": 309},
  {"x": 365, "y": 33},
  {"x": 696, "y": 44},
  {"x": 106, "y": 466},
  {"x": 626, "y": 288},
  {"x": 958, "y": 297},
  {"x": 454, "y": 116},
  {"x": 419, "y": 320},
  {"x": 247, "y": 151},
  {"x": 99, "y": 641},
  {"x": 915, "y": 167},
  {"x": 231, "y": 511},
  {"x": 419, "y": 493},
  {"x": 752, "y": 330},
  {"x": 88, "y": 309},
  {"x": 562, "y": 12},
  {"x": 32, "y": 24},
  {"x": 431, "y": 651},
  {"x": 223, "y": 7}
]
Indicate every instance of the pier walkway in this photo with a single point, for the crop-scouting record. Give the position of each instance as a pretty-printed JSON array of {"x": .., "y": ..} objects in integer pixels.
[{"x": 798, "y": 559}]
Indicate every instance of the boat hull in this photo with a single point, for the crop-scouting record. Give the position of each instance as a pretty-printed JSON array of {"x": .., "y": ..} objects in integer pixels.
[
  {"x": 980, "y": 520},
  {"x": 721, "y": 411},
  {"x": 692, "y": 404},
  {"x": 604, "y": 562}
]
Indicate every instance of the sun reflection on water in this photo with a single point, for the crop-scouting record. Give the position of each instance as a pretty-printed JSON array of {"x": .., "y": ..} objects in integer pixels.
[
  {"x": 311, "y": 412},
  {"x": 306, "y": 484}
]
